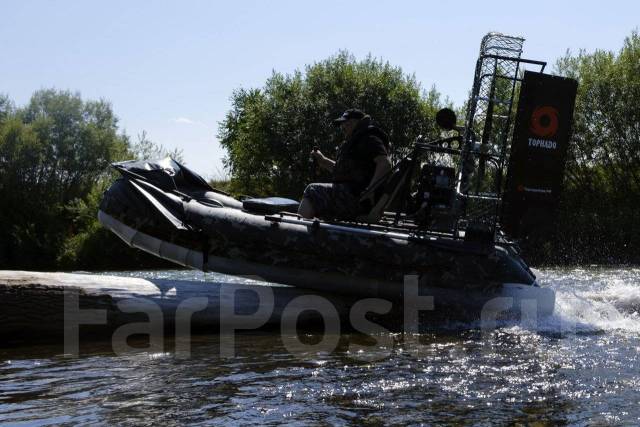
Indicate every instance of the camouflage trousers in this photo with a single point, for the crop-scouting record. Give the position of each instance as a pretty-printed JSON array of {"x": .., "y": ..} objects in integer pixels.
[{"x": 332, "y": 200}]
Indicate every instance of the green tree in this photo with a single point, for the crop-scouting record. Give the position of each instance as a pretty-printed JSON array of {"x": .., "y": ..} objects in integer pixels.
[
  {"x": 55, "y": 156},
  {"x": 600, "y": 214},
  {"x": 53, "y": 153},
  {"x": 145, "y": 149},
  {"x": 269, "y": 132},
  {"x": 6, "y": 107}
]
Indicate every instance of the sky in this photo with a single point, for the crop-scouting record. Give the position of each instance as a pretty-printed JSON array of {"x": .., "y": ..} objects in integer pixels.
[{"x": 170, "y": 68}]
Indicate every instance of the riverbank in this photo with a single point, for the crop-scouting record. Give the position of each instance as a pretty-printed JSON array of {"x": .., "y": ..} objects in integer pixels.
[
  {"x": 72, "y": 307},
  {"x": 47, "y": 306}
]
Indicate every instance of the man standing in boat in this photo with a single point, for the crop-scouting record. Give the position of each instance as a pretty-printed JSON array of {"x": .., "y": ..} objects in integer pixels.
[{"x": 363, "y": 158}]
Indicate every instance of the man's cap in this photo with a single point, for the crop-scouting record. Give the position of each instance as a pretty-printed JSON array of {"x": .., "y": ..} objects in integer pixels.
[{"x": 352, "y": 113}]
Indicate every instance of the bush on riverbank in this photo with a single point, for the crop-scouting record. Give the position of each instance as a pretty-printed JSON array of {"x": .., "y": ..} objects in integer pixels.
[{"x": 55, "y": 154}]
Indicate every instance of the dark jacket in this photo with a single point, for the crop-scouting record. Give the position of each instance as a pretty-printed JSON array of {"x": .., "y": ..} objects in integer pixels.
[{"x": 354, "y": 164}]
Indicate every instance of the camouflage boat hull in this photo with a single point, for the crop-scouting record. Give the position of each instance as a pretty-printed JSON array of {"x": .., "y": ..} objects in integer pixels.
[{"x": 212, "y": 232}]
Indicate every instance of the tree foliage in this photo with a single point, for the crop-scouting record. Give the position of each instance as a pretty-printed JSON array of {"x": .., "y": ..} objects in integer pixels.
[
  {"x": 600, "y": 213},
  {"x": 52, "y": 153},
  {"x": 269, "y": 132},
  {"x": 55, "y": 154},
  {"x": 607, "y": 118},
  {"x": 145, "y": 149}
]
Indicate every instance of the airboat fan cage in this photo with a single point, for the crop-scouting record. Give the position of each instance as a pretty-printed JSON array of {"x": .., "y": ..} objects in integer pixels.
[{"x": 489, "y": 127}]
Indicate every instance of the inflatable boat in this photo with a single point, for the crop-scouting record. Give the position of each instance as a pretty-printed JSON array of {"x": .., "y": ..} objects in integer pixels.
[{"x": 440, "y": 219}]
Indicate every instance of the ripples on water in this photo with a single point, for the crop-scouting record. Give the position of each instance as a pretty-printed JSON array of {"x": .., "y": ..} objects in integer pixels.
[{"x": 579, "y": 366}]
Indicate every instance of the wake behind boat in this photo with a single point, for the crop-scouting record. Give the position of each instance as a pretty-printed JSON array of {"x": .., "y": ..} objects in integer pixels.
[{"x": 440, "y": 218}]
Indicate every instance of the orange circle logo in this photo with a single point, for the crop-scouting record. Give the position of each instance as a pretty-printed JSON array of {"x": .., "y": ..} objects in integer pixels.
[{"x": 544, "y": 122}]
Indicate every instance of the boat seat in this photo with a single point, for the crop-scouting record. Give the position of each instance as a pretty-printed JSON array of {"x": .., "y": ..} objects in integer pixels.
[
  {"x": 270, "y": 205},
  {"x": 385, "y": 193}
]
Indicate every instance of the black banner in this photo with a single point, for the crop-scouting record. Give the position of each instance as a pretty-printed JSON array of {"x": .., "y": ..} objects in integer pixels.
[{"x": 538, "y": 153}]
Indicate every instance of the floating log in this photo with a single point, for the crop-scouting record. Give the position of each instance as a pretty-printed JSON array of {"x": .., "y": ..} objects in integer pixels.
[{"x": 43, "y": 306}]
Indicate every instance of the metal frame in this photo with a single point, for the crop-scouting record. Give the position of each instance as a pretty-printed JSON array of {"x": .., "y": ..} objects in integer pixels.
[
  {"x": 488, "y": 123},
  {"x": 489, "y": 115}
]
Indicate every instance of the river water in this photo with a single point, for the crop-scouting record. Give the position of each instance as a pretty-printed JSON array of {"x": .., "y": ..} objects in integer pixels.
[{"x": 578, "y": 367}]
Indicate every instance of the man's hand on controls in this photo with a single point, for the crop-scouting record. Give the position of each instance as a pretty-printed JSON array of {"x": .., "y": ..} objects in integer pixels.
[
  {"x": 323, "y": 161},
  {"x": 316, "y": 155}
]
